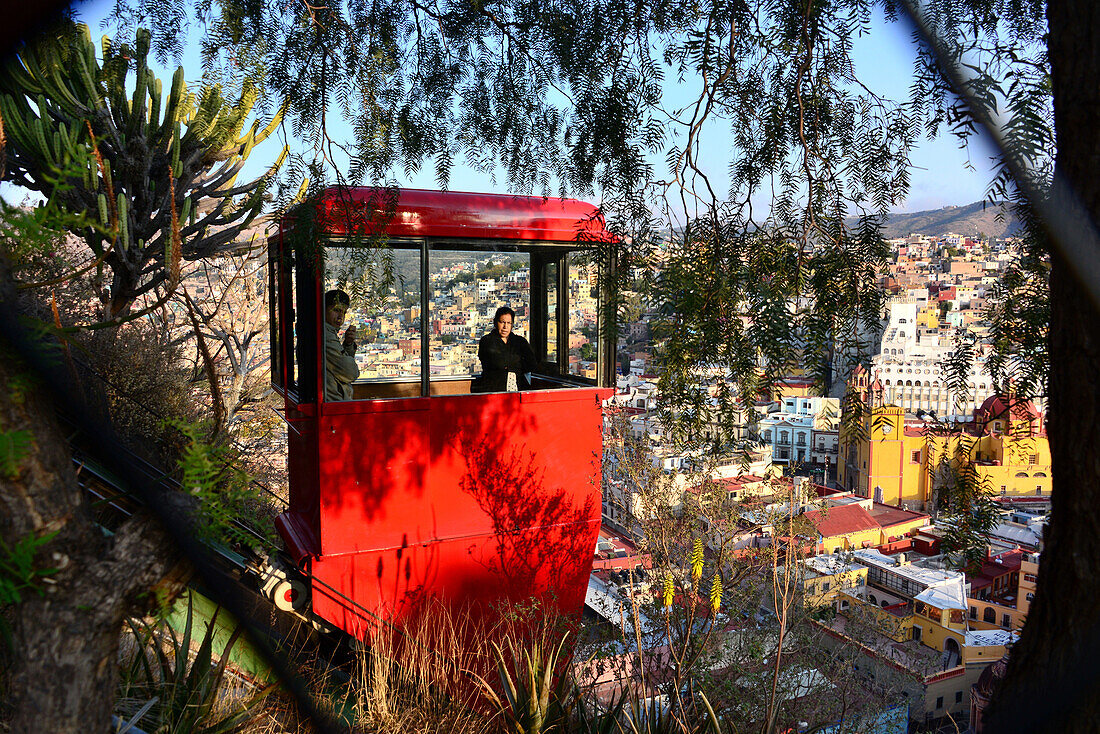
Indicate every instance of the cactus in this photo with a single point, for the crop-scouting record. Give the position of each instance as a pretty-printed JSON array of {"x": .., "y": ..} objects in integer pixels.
[{"x": 58, "y": 103}]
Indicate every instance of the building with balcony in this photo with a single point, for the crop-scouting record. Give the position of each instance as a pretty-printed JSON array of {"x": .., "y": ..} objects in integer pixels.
[
  {"x": 905, "y": 618},
  {"x": 803, "y": 432}
]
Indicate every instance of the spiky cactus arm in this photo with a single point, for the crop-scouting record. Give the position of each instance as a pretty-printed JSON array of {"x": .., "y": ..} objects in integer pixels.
[{"x": 60, "y": 102}]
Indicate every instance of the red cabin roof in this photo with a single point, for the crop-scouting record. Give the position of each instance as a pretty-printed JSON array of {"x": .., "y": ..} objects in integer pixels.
[{"x": 456, "y": 214}]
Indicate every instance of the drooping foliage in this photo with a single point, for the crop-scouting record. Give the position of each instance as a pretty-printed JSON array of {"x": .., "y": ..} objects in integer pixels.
[
  {"x": 159, "y": 179},
  {"x": 579, "y": 97}
]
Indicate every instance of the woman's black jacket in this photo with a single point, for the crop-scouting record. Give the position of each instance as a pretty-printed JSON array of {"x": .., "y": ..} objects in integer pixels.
[{"x": 498, "y": 359}]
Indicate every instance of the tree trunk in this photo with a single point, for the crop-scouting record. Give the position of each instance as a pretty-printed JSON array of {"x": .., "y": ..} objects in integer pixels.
[
  {"x": 1052, "y": 682},
  {"x": 65, "y": 634}
]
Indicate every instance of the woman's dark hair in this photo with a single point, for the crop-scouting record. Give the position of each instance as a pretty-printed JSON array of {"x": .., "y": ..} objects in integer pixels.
[
  {"x": 501, "y": 311},
  {"x": 338, "y": 296}
]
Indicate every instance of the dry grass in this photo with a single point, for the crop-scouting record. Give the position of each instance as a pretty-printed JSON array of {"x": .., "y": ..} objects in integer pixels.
[
  {"x": 420, "y": 678},
  {"x": 423, "y": 678}
]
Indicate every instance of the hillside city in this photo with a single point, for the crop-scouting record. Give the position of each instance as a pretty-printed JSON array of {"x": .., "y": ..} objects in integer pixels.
[
  {"x": 877, "y": 549},
  {"x": 871, "y": 499},
  {"x": 875, "y": 554}
]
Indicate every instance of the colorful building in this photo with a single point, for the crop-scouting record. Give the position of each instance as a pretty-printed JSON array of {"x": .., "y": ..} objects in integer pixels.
[
  {"x": 848, "y": 522},
  {"x": 897, "y": 462},
  {"x": 905, "y": 617}
]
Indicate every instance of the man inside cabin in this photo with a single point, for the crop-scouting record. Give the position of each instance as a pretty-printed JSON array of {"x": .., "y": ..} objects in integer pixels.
[
  {"x": 505, "y": 357},
  {"x": 341, "y": 369}
]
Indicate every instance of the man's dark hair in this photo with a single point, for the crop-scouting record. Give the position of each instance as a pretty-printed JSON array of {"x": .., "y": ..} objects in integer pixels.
[
  {"x": 501, "y": 311},
  {"x": 338, "y": 296}
]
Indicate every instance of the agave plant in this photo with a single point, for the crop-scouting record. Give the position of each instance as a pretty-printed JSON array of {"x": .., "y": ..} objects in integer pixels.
[
  {"x": 535, "y": 699},
  {"x": 166, "y": 691}
]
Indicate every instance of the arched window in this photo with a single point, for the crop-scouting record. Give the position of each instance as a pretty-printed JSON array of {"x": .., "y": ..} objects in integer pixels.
[
  {"x": 1021, "y": 474},
  {"x": 989, "y": 615},
  {"x": 1039, "y": 474}
]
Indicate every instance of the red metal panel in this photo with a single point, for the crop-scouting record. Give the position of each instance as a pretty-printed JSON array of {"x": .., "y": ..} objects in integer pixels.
[
  {"x": 302, "y": 466},
  {"x": 373, "y": 492},
  {"x": 456, "y": 214},
  {"x": 465, "y": 498},
  {"x": 469, "y": 574}
]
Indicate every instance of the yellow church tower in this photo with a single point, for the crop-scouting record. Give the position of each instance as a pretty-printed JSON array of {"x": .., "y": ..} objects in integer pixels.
[{"x": 881, "y": 458}]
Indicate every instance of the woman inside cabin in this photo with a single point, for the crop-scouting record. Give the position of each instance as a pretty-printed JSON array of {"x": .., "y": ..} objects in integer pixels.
[{"x": 505, "y": 357}]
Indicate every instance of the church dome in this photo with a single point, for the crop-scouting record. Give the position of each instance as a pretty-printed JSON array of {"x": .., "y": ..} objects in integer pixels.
[{"x": 991, "y": 677}]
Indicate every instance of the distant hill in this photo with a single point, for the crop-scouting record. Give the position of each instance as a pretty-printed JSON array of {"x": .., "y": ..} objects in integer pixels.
[{"x": 969, "y": 220}]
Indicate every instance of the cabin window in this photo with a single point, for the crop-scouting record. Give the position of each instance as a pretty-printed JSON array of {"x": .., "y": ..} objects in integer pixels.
[
  {"x": 281, "y": 292},
  {"x": 386, "y": 315},
  {"x": 584, "y": 326},
  {"x": 551, "y": 320},
  {"x": 465, "y": 289}
]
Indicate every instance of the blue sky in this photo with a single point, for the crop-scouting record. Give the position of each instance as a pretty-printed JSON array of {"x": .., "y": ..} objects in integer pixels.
[{"x": 942, "y": 175}]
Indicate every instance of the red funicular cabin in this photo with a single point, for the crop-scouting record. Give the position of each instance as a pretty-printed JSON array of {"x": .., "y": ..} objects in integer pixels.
[{"x": 415, "y": 488}]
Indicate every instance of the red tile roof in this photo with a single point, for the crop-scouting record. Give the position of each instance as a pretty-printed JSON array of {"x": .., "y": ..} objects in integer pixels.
[
  {"x": 841, "y": 520},
  {"x": 887, "y": 515}
]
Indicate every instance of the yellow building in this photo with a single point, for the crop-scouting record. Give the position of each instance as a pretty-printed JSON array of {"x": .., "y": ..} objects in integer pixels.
[
  {"x": 903, "y": 616},
  {"x": 1004, "y": 606},
  {"x": 896, "y": 464},
  {"x": 929, "y": 317},
  {"x": 824, "y": 576},
  {"x": 903, "y": 602}
]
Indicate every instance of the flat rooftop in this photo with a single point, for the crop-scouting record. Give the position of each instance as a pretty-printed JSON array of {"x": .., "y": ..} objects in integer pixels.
[{"x": 923, "y": 576}]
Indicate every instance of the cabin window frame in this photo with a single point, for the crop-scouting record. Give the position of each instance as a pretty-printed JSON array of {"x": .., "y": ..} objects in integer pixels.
[{"x": 542, "y": 254}]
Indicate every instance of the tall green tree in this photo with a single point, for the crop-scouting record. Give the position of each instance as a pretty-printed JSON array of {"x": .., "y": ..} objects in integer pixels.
[{"x": 165, "y": 184}]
